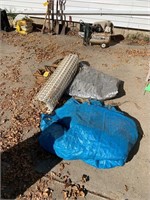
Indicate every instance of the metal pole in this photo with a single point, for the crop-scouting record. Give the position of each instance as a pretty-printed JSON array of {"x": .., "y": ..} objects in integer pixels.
[{"x": 71, "y": 13}]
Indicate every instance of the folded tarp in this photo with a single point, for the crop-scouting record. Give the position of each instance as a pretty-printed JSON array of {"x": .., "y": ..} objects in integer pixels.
[
  {"x": 93, "y": 84},
  {"x": 100, "y": 136}
]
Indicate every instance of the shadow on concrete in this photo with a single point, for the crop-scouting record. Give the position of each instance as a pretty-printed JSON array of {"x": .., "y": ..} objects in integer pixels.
[
  {"x": 115, "y": 39},
  {"x": 23, "y": 165},
  {"x": 37, "y": 27},
  {"x": 136, "y": 147},
  {"x": 121, "y": 91}
]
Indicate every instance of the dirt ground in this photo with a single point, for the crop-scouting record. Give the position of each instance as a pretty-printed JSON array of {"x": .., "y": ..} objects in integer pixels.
[{"x": 28, "y": 172}]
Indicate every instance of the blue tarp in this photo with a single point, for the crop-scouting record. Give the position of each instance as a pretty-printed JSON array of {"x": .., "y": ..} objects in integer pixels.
[{"x": 100, "y": 136}]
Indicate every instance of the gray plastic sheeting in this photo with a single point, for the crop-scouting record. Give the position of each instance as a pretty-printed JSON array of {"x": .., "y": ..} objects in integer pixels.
[{"x": 90, "y": 83}]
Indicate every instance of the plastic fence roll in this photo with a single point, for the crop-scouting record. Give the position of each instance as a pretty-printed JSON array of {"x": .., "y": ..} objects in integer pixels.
[{"x": 58, "y": 82}]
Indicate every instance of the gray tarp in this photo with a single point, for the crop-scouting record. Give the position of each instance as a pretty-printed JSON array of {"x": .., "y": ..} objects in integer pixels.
[{"x": 91, "y": 83}]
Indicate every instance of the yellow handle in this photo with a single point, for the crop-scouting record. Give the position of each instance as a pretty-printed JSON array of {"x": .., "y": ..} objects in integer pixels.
[{"x": 45, "y": 3}]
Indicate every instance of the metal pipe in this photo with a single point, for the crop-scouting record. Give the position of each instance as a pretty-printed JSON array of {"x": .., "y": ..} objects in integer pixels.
[{"x": 102, "y": 13}]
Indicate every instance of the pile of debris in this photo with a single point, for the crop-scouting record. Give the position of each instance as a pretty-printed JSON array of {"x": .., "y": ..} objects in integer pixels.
[
  {"x": 76, "y": 79},
  {"x": 71, "y": 189},
  {"x": 65, "y": 130},
  {"x": 44, "y": 73},
  {"x": 23, "y": 24}
]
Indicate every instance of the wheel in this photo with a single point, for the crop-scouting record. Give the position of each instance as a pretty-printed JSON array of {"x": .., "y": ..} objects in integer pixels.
[{"x": 103, "y": 45}]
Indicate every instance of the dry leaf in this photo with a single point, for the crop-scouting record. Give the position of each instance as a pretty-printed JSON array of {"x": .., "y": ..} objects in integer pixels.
[
  {"x": 82, "y": 193},
  {"x": 65, "y": 178},
  {"x": 126, "y": 188},
  {"x": 65, "y": 194},
  {"x": 62, "y": 166},
  {"x": 45, "y": 194},
  {"x": 68, "y": 173},
  {"x": 85, "y": 178},
  {"x": 68, "y": 182}
]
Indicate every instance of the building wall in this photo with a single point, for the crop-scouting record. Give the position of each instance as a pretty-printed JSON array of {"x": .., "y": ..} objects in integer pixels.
[{"x": 96, "y": 6}]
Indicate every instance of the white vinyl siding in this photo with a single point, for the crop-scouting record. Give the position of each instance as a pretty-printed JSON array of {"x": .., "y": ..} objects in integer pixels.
[{"x": 94, "y": 6}]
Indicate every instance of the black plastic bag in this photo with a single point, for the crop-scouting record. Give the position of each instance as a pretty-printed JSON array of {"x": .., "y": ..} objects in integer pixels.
[{"x": 5, "y": 26}]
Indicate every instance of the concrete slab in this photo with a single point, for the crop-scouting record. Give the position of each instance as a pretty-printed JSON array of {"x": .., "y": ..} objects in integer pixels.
[{"x": 126, "y": 62}]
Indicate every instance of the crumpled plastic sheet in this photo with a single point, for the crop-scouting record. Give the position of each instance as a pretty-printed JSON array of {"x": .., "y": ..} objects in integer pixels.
[
  {"x": 98, "y": 135},
  {"x": 91, "y": 83}
]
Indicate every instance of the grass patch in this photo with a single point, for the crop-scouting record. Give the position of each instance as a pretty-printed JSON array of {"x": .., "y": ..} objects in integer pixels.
[{"x": 138, "y": 38}]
